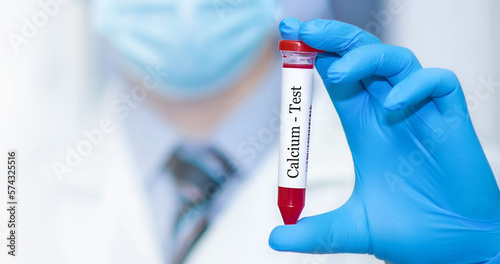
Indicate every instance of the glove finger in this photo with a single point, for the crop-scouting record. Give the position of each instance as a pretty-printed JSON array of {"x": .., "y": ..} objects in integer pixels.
[
  {"x": 392, "y": 62},
  {"x": 440, "y": 85},
  {"x": 340, "y": 231},
  {"x": 323, "y": 31},
  {"x": 378, "y": 66},
  {"x": 334, "y": 36},
  {"x": 345, "y": 97},
  {"x": 289, "y": 28}
]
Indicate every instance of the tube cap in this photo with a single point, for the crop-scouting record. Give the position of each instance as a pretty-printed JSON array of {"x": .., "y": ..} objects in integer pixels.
[{"x": 296, "y": 45}]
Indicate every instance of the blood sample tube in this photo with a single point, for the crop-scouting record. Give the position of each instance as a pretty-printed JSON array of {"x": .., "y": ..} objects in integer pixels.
[{"x": 296, "y": 106}]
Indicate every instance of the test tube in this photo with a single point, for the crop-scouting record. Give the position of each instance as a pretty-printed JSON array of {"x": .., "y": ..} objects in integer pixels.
[{"x": 296, "y": 106}]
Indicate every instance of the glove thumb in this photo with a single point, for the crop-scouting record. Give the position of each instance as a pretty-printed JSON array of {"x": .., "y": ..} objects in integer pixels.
[
  {"x": 289, "y": 28},
  {"x": 344, "y": 230}
]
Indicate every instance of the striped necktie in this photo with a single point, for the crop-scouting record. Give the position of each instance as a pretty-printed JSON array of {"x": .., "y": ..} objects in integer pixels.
[{"x": 200, "y": 174}]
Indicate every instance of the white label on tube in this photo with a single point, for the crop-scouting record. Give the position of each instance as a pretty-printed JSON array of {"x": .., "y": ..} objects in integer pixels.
[{"x": 296, "y": 99}]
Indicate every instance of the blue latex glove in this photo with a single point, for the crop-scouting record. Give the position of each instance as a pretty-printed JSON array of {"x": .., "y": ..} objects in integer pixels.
[{"x": 424, "y": 191}]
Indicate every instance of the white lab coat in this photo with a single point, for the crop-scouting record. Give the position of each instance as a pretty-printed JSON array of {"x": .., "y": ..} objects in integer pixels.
[{"x": 96, "y": 214}]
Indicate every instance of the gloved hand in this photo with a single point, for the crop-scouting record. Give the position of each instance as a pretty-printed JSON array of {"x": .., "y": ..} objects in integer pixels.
[{"x": 424, "y": 191}]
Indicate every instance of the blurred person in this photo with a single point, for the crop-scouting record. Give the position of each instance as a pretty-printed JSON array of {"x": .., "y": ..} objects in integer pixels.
[
  {"x": 187, "y": 89},
  {"x": 203, "y": 69}
]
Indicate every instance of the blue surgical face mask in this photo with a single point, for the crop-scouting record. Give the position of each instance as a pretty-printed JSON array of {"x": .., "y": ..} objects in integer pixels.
[{"x": 201, "y": 45}]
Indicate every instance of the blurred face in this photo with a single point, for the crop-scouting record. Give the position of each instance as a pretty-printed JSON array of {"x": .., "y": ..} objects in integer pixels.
[{"x": 200, "y": 45}]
